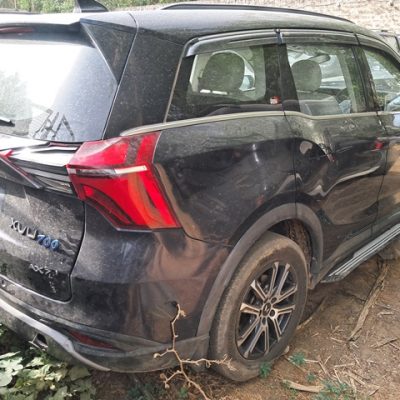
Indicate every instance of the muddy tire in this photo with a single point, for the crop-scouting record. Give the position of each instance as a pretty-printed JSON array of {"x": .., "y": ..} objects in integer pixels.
[{"x": 261, "y": 308}]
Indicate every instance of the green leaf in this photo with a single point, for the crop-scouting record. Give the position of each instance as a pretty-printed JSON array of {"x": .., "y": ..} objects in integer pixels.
[
  {"x": 11, "y": 363},
  {"x": 36, "y": 362},
  {"x": 85, "y": 396},
  {"x": 61, "y": 394},
  {"x": 57, "y": 375},
  {"x": 8, "y": 355},
  {"x": 78, "y": 372},
  {"x": 5, "y": 378},
  {"x": 83, "y": 385}
]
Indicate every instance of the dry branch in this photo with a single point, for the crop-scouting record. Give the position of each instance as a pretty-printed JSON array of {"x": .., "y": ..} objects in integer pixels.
[
  {"x": 372, "y": 297},
  {"x": 302, "y": 388},
  {"x": 384, "y": 342},
  {"x": 184, "y": 362}
]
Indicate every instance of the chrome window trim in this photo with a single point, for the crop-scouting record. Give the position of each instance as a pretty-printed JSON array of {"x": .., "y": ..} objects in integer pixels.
[{"x": 228, "y": 117}]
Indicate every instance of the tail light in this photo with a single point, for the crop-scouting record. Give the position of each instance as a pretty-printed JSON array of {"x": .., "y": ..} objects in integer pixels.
[
  {"x": 84, "y": 339},
  {"x": 117, "y": 177}
]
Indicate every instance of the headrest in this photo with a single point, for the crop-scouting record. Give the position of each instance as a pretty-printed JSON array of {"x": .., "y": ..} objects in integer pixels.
[
  {"x": 224, "y": 72},
  {"x": 307, "y": 75}
]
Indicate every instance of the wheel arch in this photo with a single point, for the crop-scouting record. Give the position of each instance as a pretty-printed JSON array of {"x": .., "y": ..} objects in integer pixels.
[{"x": 267, "y": 222}]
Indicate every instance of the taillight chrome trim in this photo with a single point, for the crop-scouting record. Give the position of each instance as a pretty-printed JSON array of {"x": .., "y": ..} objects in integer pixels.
[{"x": 107, "y": 172}]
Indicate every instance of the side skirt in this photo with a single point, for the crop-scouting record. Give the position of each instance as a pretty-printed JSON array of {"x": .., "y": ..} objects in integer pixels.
[{"x": 361, "y": 255}]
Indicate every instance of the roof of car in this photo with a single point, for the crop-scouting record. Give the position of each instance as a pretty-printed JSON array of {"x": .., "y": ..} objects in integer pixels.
[
  {"x": 183, "y": 24},
  {"x": 180, "y": 25}
]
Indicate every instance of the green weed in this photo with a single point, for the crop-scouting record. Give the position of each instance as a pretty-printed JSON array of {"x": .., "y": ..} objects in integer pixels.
[
  {"x": 29, "y": 374},
  {"x": 298, "y": 359},
  {"x": 265, "y": 369}
]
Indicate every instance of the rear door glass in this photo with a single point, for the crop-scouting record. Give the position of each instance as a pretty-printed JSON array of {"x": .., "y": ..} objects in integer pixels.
[
  {"x": 243, "y": 79},
  {"x": 54, "y": 87}
]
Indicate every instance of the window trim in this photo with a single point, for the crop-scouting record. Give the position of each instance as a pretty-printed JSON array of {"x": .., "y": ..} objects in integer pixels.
[{"x": 227, "y": 117}]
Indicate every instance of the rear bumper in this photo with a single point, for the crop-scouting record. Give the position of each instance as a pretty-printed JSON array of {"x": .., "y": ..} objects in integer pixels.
[{"x": 138, "y": 358}]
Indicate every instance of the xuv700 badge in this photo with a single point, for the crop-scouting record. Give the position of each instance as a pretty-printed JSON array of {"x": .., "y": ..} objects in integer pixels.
[{"x": 34, "y": 234}]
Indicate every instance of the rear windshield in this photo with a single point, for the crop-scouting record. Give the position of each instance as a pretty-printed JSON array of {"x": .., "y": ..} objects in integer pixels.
[{"x": 54, "y": 87}]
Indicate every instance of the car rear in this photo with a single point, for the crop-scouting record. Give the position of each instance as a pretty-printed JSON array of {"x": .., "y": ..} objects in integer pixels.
[
  {"x": 56, "y": 92},
  {"x": 93, "y": 258}
]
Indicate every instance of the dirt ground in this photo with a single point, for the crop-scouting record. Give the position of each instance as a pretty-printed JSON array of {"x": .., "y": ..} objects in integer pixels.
[{"x": 370, "y": 365}]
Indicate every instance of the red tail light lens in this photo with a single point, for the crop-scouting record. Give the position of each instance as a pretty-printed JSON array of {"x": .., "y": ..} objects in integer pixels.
[
  {"x": 117, "y": 177},
  {"x": 80, "y": 337}
]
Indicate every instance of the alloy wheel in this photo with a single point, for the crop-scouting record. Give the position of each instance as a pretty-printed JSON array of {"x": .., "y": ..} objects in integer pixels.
[{"x": 266, "y": 310}]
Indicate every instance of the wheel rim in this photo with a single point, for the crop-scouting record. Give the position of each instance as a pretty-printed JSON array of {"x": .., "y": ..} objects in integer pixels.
[{"x": 266, "y": 310}]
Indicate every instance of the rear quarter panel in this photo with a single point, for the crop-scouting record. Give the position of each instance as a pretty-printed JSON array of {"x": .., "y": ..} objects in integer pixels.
[{"x": 220, "y": 176}]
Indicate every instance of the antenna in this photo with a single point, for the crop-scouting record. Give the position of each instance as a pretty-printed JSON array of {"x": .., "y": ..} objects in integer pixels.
[{"x": 83, "y": 6}]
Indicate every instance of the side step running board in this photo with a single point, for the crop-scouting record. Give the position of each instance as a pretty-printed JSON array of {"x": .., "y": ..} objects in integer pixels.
[{"x": 362, "y": 255}]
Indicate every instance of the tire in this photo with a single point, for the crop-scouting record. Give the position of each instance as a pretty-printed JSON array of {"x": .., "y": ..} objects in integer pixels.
[
  {"x": 236, "y": 327},
  {"x": 391, "y": 251}
]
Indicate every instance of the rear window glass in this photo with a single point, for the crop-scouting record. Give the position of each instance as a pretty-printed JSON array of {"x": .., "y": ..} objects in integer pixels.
[{"x": 54, "y": 87}]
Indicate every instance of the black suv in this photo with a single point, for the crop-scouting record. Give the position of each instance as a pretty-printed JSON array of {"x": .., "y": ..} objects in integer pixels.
[{"x": 226, "y": 159}]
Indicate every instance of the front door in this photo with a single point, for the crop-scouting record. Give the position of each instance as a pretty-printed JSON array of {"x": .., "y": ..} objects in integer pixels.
[
  {"x": 384, "y": 68},
  {"x": 339, "y": 161}
]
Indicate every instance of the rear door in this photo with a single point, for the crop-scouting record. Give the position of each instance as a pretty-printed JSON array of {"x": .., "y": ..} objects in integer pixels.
[
  {"x": 225, "y": 157},
  {"x": 384, "y": 71},
  {"x": 56, "y": 92},
  {"x": 339, "y": 160}
]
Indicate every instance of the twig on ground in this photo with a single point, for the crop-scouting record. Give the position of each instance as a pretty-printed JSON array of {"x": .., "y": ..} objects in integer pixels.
[
  {"x": 337, "y": 340},
  {"x": 372, "y": 297},
  {"x": 394, "y": 346},
  {"x": 384, "y": 342},
  {"x": 310, "y": 318},
  {"x": 355, "y": 377},
  {"x": 323, "y": 367},
  {"x": 343, "y": 365},
  {"x": 386, "y": 313},
  {"x": 373, "y": 391},
  {"x": 302, "y": 388},
  {"x": 184, "y": 362}
]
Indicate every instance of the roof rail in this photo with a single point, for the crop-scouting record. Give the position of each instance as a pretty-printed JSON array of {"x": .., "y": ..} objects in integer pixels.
[
  {"x": 213, "y": 6},
  {"x": 84, "y": 6}
]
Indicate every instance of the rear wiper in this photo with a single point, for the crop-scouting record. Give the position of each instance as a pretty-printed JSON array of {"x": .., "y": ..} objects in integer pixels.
[{"x": 6, "y": 121}]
